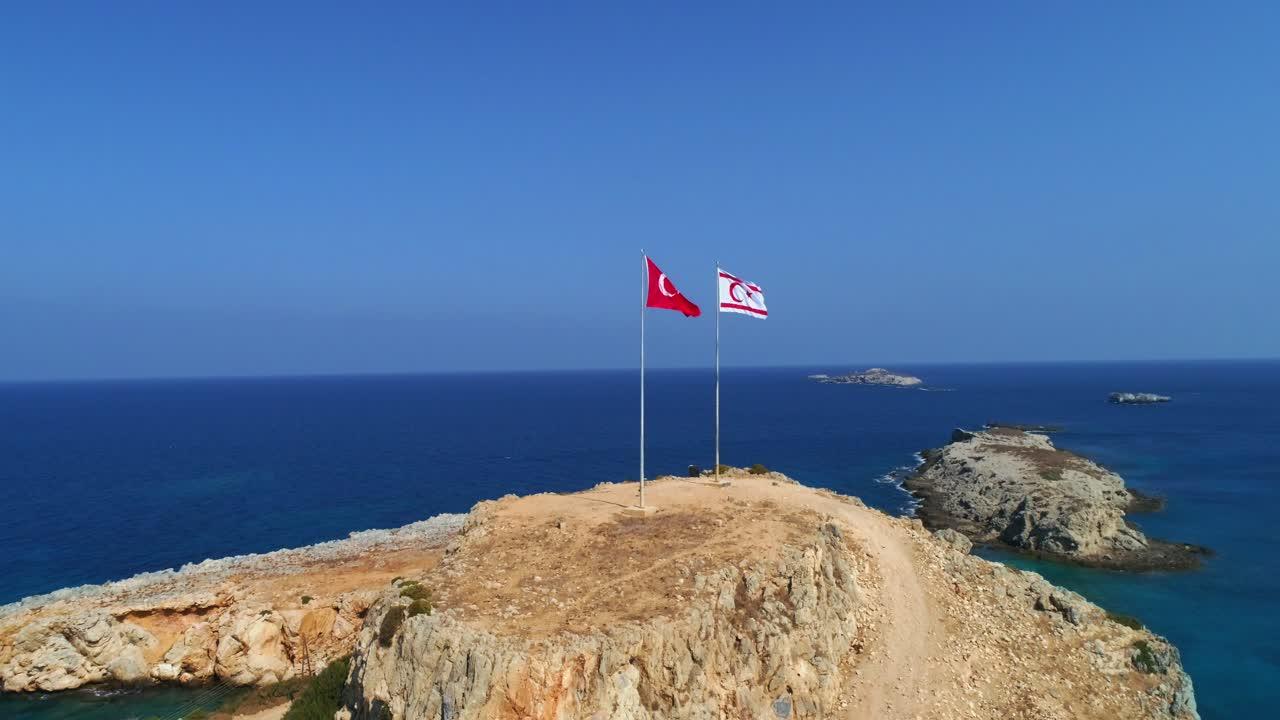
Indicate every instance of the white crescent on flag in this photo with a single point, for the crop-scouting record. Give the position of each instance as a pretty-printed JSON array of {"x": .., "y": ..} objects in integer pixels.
[{"x": 739, "y": 296}]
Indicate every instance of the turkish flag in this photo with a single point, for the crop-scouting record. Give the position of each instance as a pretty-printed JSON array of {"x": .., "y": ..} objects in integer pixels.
[{"x": 663, "y": 294}]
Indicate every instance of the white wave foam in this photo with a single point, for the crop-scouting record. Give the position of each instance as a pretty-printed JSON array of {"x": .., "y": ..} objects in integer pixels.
[{"x": 897, "y": 477}]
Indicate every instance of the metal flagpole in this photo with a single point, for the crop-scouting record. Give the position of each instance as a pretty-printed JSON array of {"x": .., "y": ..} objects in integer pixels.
[
  {"x": 717, "y": 297},
  {"x": 644, "y": 292}
]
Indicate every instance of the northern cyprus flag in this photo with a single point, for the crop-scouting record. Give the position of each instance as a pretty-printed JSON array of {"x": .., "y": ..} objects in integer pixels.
[{"x": 739, "y": 296}]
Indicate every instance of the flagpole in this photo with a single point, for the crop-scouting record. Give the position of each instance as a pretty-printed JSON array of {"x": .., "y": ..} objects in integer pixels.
[
  {"x": 717, "y": 297},
  {"x": 644, "y": 290}
]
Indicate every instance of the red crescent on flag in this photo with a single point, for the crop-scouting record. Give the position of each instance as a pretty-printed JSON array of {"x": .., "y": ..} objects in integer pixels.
[{"x": 733, "y": 291}]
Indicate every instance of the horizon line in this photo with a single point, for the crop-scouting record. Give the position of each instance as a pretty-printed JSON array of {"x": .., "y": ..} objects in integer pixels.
[{"x": 534, "y": 371}]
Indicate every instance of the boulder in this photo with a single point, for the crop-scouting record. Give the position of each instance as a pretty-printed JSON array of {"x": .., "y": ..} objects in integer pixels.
[{"x": 955, "y": 540}]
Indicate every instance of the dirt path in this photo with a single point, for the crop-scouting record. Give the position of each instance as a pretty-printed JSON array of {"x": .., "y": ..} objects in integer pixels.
[{"x": 890, "y": 683}]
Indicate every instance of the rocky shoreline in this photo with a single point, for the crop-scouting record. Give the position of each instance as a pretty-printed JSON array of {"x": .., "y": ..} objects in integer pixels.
[{"x": 1011, "y": 488}]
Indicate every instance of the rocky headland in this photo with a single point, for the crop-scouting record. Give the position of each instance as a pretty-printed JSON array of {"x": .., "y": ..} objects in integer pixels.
[
  {"x": 871, "y": 376},
  {"x": 1128, "y": 398},
  {"x": 1013, "y": 488},
  {"x": 761, "y": 599},
  {"x": 248, "y": 620}
]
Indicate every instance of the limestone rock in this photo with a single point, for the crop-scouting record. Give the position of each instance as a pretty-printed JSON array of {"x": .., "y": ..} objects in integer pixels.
[
  {"x": 1007, "y": 486},
  {"x": 955, "y": 540}
]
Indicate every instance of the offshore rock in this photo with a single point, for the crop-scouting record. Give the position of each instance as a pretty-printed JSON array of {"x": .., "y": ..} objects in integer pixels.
[
  {"x": 871, "y": 376},
  {"x": 1009, "y": 487},
  {"x": 1126, "y": 398}
]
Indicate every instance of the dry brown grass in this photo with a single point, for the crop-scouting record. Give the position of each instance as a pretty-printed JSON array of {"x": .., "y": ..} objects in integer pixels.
[{"x": 584, "y": 565}]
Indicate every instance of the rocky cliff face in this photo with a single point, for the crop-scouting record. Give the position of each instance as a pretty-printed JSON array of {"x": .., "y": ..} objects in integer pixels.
[
  {"x": 760, "y": 640},
  {"x": 1015, "y": 488},
  {"x": 252, "y": 620}
]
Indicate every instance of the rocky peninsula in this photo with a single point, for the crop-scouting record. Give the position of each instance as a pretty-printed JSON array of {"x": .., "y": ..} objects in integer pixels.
[
  {"x": 870, "y": 376},
  {"x": 762, "y": 599},
  {"x": 1009, "y": 487}
]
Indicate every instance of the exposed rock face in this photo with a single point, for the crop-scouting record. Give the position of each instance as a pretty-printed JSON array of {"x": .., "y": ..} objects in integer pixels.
[
  {"x": 778, "y": 629},
  {"x": 1125, "y": 398},
  {"x": 1111, "y": 650},
  {"x": 240, "y": 620},
  {"x": 955, "y": 539},
  {"x": 871, "y": 376},
  {"x": 1015, "y": 488}
]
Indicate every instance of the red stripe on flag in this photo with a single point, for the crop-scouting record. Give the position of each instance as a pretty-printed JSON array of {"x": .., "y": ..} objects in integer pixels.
[
  {"x": 744, "y": 307},
  {"x": 753, "y": 287}
]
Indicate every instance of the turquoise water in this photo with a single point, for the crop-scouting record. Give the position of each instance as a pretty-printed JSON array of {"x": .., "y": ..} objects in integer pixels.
[
  {"x": 148, "y": 704},
  {"x": 113, "y": 473}
]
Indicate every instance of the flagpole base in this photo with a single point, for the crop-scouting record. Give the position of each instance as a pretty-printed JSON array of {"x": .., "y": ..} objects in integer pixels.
[{"x": 637, "y": 511}]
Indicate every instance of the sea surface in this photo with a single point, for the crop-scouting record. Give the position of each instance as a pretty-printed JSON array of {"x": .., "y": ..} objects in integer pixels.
[{"x": 101, "y": 480}]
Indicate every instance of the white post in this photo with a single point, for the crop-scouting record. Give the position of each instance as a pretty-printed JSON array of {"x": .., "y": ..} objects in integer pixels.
[
  {"x": 717, "y": 297},
  {"x": 644, "y": 297}
]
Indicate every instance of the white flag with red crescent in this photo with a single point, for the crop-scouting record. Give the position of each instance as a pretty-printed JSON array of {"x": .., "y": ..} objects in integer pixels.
[{"x": 739, "y": 296}]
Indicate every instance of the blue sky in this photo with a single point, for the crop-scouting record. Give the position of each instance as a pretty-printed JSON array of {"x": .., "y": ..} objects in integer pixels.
[{"x": 311, "y": 188}]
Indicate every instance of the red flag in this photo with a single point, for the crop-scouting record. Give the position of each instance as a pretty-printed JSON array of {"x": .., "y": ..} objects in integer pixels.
[{"x": 663, "y": 294}]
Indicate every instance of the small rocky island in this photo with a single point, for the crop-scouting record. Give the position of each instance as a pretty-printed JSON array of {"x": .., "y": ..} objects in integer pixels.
[
  {"x": 870, "y": 376},
  {"x": 1008, "y": 487},
  {"x": 1128, "y": 398}
]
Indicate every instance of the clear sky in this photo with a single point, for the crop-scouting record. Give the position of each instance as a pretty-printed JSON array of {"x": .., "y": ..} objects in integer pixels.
[{"x": 228, "y": 188}]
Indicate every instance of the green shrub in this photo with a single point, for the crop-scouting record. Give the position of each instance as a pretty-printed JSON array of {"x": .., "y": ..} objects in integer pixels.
[
  {"x": 396, "y": 580},
  {"x": 420, "y": 607},
  {"x": 695, "y": 471},
  {"x": 323, "y": 697},
  {"x": 306, "y": 599},
  {"x": 415, "y": 592},
  {"x": 758, "y": 469},
  {"x": 1144, "y": 659},
  {"x": 1128, "y": 621},
  {"x": 724, "y": 469},
  {"x": 391, "y": 623}
]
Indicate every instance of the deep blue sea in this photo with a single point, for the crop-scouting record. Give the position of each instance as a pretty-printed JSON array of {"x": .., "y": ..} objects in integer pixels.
[{"x": 103, "y": 480}]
